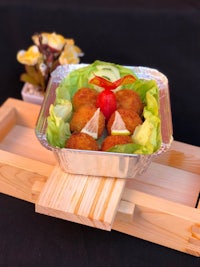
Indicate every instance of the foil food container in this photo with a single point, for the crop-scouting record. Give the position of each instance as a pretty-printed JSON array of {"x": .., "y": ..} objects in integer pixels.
[{"x": 100, "y": 163}]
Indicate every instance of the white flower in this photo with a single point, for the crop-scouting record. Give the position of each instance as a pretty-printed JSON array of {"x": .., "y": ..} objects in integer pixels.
[{"x": 53, "y": 40}]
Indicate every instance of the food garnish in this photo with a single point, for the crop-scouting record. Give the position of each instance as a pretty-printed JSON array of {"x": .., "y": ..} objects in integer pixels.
[
  {"x": 108, "y": 85},
  {"x": 106, "y": 101},
  {"x": 117, "y": 103},
  {"x": 118, "y": 127},
  {"x": 92, "y": 126},
  {"x": 89, "y": 119},
  {"x": 130, "y": 118}
]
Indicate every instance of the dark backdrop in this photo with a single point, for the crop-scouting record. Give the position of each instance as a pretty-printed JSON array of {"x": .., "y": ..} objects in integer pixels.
[
  {"x": 158, "y": 34},
  {"x": 163, "y": 35}
]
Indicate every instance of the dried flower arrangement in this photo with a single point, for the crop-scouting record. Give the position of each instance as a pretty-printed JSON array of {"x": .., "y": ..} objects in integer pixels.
[{"x": 48, "y": 51}]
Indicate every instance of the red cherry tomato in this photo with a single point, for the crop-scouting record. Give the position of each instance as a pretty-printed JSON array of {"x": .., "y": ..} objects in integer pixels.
[{"x": 106, "y": 101}]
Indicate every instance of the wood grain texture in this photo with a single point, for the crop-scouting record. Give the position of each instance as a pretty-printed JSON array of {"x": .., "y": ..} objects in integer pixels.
[
  {"x": 168, "y": 182},
  {"x": 83, "y": 199},
  {"x": 160, "y": 221},
  {"x": 18, "y": 175},
  {"x": 161, "y": 205},
  {"x": 182, "y": 156}
]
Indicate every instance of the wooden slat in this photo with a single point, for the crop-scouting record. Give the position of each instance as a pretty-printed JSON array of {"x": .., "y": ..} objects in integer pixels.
[
  {"x": 18, "y": 175},
  {"x": 182, "y": 156},
  {"x": 162, "y": 205},
  {"x": 159, "y": 221},
  {"x": 22, "y": 140},
  {"x": 26, "y": 113},
  {"x": 89, "y": 199},
  {"x": 168, "y": 182},
  {"x": 7, "y": 121}
]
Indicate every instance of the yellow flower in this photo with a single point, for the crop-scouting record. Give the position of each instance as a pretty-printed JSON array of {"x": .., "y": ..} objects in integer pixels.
[
  {"x": 29, "y": 57},
  {"x": 69, "y": 41},
  {"x": 47, "y": 52},
  {"x": 53, "y": 40},
  {"x": 70, "y": 54}
]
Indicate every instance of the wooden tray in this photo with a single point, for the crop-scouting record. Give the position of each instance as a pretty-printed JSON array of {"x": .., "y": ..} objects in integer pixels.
[{"x": 161, "y": 206}]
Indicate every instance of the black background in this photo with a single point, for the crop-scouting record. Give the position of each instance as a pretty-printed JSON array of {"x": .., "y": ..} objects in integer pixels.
[{"x": 162, "y": 35}]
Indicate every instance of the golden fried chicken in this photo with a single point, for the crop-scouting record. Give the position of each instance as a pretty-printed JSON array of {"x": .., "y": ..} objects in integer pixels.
[
  {"x": 82, "y": 141},
  {"x": 84, "y": 96},
  {"x": 129, "y": 99},
  {"x": 83, "y": 115},
  {"x": 113, "y": 140},
  {"x": 130, "y": 118}
]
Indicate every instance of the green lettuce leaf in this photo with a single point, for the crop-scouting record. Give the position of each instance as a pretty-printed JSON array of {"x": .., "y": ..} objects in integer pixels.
[
  {"x": 58, "y": 129},
  {"x": 146, "y": 138},
  {"x": 80, "y": 78},
  {"x": 148, "y": 135},
  {"x": 62, "y": 109}
]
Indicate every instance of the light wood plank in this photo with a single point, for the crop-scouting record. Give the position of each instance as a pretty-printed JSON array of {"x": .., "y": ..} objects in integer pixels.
[
  {"x": 22, "y": 140},
  {"x": 181, "y": 156},
  {"x": 168, "y": 182},
  {"x": 18, "y": 174},
  {"x": 26, "y": 113},
  {"x": 160, "y": 221},
  {"x": 7, "y": 120},
  {"x": 85, "y": 199}
]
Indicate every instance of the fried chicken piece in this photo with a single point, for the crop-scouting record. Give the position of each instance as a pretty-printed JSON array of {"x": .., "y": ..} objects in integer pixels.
[
  {"x": 112, "y": 140},
  {"x": 84, "y": 96},
  {"x": 83, "y": 115},
  {"x": 82, "y": 141},
  {"x": 130, "y": 118},
  {"x": 129, "y": 99}
]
